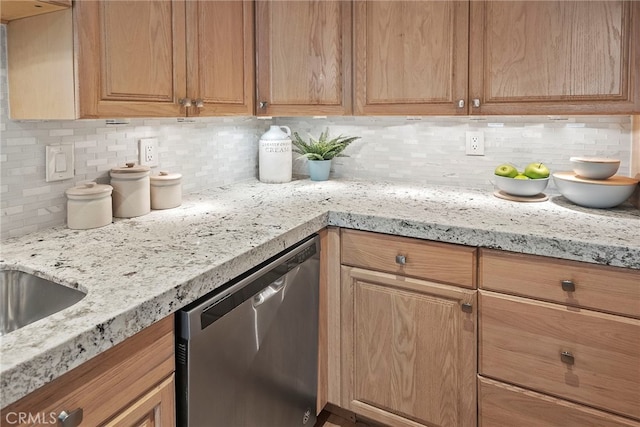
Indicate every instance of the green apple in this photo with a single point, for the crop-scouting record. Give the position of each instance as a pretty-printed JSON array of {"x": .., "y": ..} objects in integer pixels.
[
  {"x": 506, "y": 170},
  {"x": 536, "y": 171},
  {"x": 521, "y": 176}
]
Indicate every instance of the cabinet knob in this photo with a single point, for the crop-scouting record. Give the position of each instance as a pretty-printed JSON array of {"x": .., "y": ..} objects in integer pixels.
[
  {"x": 70, "y": 419},
  {"x": 476, "y": 102},
  {"x": 567, "y": 357},
  {"x": 467, "y": 308},
  {"x": 185, "y": 102},
  {"x": 263, "y": 104},
  {"x": 401, "y": 259},
  {"x": 568, "y": 285},
  {"x": 460, "y": 103},
  {"x": 199, "y": 103}
]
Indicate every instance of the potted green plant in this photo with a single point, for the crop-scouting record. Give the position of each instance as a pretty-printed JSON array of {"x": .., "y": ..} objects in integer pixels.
[{"x": 320, "y": 152}]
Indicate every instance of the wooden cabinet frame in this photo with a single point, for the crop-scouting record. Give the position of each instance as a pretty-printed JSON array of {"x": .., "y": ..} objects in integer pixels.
[
  {"x": 276, "y": 98},
  {"x": 481, "y": 76}
]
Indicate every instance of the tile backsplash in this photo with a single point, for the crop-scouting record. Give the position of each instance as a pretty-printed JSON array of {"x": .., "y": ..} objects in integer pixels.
[
  {"x": 218, "y": 151},
  {"x": 432, "y": 150}
]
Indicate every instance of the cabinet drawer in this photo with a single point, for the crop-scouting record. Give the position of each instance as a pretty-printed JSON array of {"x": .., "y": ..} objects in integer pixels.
[
  {"x": 442, "y": 262},
  {"x": 108, "y": 383},
  {"x": 502, "y": 405},
  {"x": 522, "y": 342},
  {"x": 611, "y": 289}
]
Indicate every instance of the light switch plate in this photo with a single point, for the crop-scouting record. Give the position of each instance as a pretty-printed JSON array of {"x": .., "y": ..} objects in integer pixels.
[{"x": 60, "y": 164}]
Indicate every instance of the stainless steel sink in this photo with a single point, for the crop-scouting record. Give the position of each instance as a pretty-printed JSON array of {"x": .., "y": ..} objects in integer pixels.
[{"x": 25, "y": 298}]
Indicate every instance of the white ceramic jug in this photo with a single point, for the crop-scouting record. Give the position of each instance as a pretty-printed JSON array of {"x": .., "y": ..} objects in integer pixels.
[{"x": 274, "y": 155}]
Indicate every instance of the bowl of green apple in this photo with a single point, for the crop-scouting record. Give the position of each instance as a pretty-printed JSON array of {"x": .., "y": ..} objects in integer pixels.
[{"x": 526, "y": 183}]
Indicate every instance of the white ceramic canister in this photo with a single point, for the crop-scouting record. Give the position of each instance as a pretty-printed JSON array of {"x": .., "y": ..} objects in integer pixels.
[
  {"x": 274, "y": 155},
  {"x": 131, "y": 191},
  {"x": 166, "y": 190},
  {"x": 89, "y": 206}
]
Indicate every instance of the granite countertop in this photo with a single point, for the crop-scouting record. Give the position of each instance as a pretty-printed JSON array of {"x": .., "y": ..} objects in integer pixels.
[{"x": 137, "y": 271}]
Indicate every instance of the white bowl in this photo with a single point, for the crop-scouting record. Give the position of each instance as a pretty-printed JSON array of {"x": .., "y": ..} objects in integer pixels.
[
  {"x": 521, "y": 187},
  {"x": 594, "y": 167},
  {"x": 592, "y": 193}
]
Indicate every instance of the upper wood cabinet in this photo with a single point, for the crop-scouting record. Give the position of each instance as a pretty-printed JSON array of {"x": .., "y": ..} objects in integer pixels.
[
  {"x": 172, "y": 59},
  {"x": 18, "y": 9},
  {"x": 134, "y": 59},
  {"x": 220, "y": 57},
  {"x": 497, "y": 57},
  {"x": 131, "y": 58},
  {"x": 303, "y": 57},
  {"x": 411, "y": 57},
  {"x": 555, "y": 57}
]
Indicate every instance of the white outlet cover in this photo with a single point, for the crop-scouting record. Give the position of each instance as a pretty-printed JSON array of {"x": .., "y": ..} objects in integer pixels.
[
  {"x": 148, "y": 146},
  {"x": 60, "y": 162},
  {"x": 474, "y": 143}
]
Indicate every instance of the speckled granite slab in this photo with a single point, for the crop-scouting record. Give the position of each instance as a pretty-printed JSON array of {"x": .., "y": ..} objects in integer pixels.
[{"x": 139, "y": 270}]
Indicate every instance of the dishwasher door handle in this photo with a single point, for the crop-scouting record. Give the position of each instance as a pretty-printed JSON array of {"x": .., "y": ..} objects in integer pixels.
[{"x": 269, "y": 292}]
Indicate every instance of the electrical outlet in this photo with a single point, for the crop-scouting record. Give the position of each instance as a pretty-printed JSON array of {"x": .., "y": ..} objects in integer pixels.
[
  {"x": 475, "y": 144},
  {"x": 148, "y": 152}
]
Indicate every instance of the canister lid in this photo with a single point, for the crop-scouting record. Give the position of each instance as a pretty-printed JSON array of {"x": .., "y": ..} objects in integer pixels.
[
  {"x": 131, "y": 168},
  {"x": 166, "y": 176},
  {"x": 89, "y": 190}
]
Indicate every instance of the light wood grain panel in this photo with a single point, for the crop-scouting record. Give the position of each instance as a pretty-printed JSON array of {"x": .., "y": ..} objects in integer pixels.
[
  {"x": 554, "y": 57},
  {"x": 635, "y": 158},
  {"x": 137, "y": 50},
  {"x": 502, "y": 405},
  {"x": 110, "y": 382},
  {"x": 40, "y": 67},
  {"x": 220, "y": 57},
  {"x": 154, "y": 409},
  {"x": 521, "y": 342},
  {"x": 329, "y": 333},
  {"x": 603, "y": 288},
  {"x": 12, "y": 9},
  {"x": 304, "y": 57},
  {"x": 442, "y": 262},
  {"x": 131, "y": 60},
  {"x": 410, "y": 57},
  {"x": 409, "y": 350}
]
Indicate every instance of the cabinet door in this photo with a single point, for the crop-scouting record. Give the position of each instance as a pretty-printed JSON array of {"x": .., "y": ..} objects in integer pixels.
[
  {"x": 409, "y": 350},
  {"x": 411, "y": 57},
  {"x": 555, "y": 57},
  {"x": 130, "y": 58},
  {"x": 154, "y": 409},
  {"x": 220, "y": 60},
  {"x": 303, "y": 54}
]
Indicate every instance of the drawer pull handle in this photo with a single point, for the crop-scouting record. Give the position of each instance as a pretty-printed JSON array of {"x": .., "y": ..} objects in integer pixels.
[
  {"x": 401, "y": 259},
  {"x": 467, "y": 308},
  {"x": 71, "y": 419},
  {"x": 567, "y": 358},
  {"x": 568, "y": 286}
]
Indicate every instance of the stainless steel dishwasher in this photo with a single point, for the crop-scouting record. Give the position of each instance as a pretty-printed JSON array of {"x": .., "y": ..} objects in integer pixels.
[{"x": 247, "y": 354}]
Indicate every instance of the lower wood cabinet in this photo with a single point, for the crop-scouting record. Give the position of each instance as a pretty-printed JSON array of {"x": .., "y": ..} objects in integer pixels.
[
  {"x": 543, "y": 342},
  {"x": 408, "y": 344},
  {"x": 584, "y": 356},
  {"x": 559, "y": 342},
  {"x": 130, "y": 384},
  {"x": 501, "y": 405}
]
